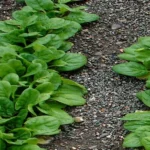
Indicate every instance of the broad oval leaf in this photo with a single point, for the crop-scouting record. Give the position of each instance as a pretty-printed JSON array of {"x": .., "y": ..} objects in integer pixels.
[
  {"x": 72, "y": 61},
  {"x": 6, "y": 107},
  {"x": 133, "y": 125},
  {"x": 144, "y": 96},
  {"x": 144, "y": 115},
  {"x": 5, "y": 89},
  {"x": 45, "y": 87},
  {"x": 131, "y": 69},
  {"x": 12, "y": 78},
  {"x": 33, "y": 69},
  {"x": 69, "y": 99},
  {"x": 57, "y": 112},
  {"x": 27, "y": 97},
  {"x": 82, "y": 17},
  {"x": 6, "y": 69},
  {"x": 40, "y": 4},
  {"x": 132, "y": 140},
  {"x": 43, "y": 125}
]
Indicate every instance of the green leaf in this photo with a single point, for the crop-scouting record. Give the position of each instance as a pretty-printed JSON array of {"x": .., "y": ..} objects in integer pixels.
[
  {"x": 17, "y": 66},
  {"x": 146, "y": 142},
  {"x": 55, "y": 79},
  {"x": 57, "y": 23},
  {"x": 148, "y": 83},
  {"x": 13, "y": 37},
  {"x": 49, "y": 55},
  {"x": 43, "y": 125},
  {"x": 42, "y": 76},
  {"x": 50, "y": 40},
  {"x": 132, "y": 140},
  {"x": 66, "y": 46},
  {"x": 69, "y": 99},
  {"x": 6, "y": 69},
  {"x": 6, "y": 28},
  {"x": 133, "y": 125},
  {"x": 82, "y": 17},
  {"x": 45, "y": 87},
  {"x": 6, "y": 107},
  {"x": 7, "y": 50},
  {"x": 69, "y": 30},
  {"x": 145, "y": 41},
  {"x": 56, "y": 112},
  {"x": 42, "y": 62},
  {"x": 22, "y": 142},
  {"x": 131, "y": 69},
  {"x": 73, "y": 83},
  {"x": 71, "y": 61},
  {"x": 129, "y": 57},
  {"x": 40, "y": 4},
  {"x": 27, "y": 97},
  {"x": 32, "y": 34},
  {"x": 5, "y": 89},
  {"x": 132, "y": 49},
  {"x": 144, "y": 115},
  {"x": 26, "y": 147},
  {"x": 33, "y": 69},
  {"x": 21, "y": 133},
  {"x": 144, "y": 96},
  {"x": 143, "y": 131},
  {"x": 4, "y": 121},
  {"x": 12, "y": 78}
]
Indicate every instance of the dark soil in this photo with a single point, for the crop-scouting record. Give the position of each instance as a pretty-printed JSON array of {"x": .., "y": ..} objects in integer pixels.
[{"x": 110, "y": 96}]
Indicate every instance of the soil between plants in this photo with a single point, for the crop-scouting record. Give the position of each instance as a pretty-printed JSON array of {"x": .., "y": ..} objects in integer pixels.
[{"x": 110, "y": 96}]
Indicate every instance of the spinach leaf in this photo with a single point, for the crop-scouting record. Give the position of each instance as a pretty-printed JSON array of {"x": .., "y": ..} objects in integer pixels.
[
  {"x": 33, "y": 69},
  {"x": 70, "y": 62},
  {"x": 45, "y": 87},
  {"x": 27, "y": 97},
  {"x": 69, "y": 99},
  {"x": 145, "y": 116},
  {"x": 131, "y": 69},
  {"x": 56, "y": 112},
  {"x": 6, "y": 69},
  {"x": 43, "y": 125},
  {"x": 132, "y": 140},
  {"x": 40, "y": 4},
  {"x": 12, "y": 78},
  {"x": 144, "y": 96},
  {"x": 6, "y": 107},
  {"x": 5, "y": 89},
  {"x": 82, "y": 17}
]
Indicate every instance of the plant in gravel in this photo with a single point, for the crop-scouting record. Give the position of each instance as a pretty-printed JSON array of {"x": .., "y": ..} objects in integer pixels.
[
  {"x": 33, "y": 95},
  {"x": 138, "y": 123}
]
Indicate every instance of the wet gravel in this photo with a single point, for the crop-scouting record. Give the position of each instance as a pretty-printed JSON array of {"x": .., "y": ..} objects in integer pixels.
[{"x": 110, "y": 96}]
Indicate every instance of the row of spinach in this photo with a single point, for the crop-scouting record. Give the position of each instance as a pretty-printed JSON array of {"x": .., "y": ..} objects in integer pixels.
[{"x": 138, "y": 65}]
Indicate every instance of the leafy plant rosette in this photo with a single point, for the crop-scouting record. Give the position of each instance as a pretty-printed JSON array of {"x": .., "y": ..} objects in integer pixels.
[
  {"x": 33, "y": 50},
  {"x": 138, "y": 65}
]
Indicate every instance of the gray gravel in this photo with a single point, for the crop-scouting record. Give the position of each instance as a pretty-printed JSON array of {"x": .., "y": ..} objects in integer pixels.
[{"x": 110, "y": 96}]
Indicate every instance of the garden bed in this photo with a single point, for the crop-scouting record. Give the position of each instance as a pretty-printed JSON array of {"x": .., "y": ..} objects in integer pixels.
[{"x": 110, "y": 96}]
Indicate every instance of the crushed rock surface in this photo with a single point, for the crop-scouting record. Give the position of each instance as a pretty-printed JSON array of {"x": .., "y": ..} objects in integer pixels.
[{"x": 110, "y": 96}]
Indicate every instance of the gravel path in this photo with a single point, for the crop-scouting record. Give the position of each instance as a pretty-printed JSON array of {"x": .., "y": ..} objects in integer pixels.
[{"x": 110, "y": 96}]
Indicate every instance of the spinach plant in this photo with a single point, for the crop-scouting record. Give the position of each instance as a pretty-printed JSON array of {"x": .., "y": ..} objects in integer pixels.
[
  {"x": 33, "y": 52},
  {"x": 138, "y": 65}
]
